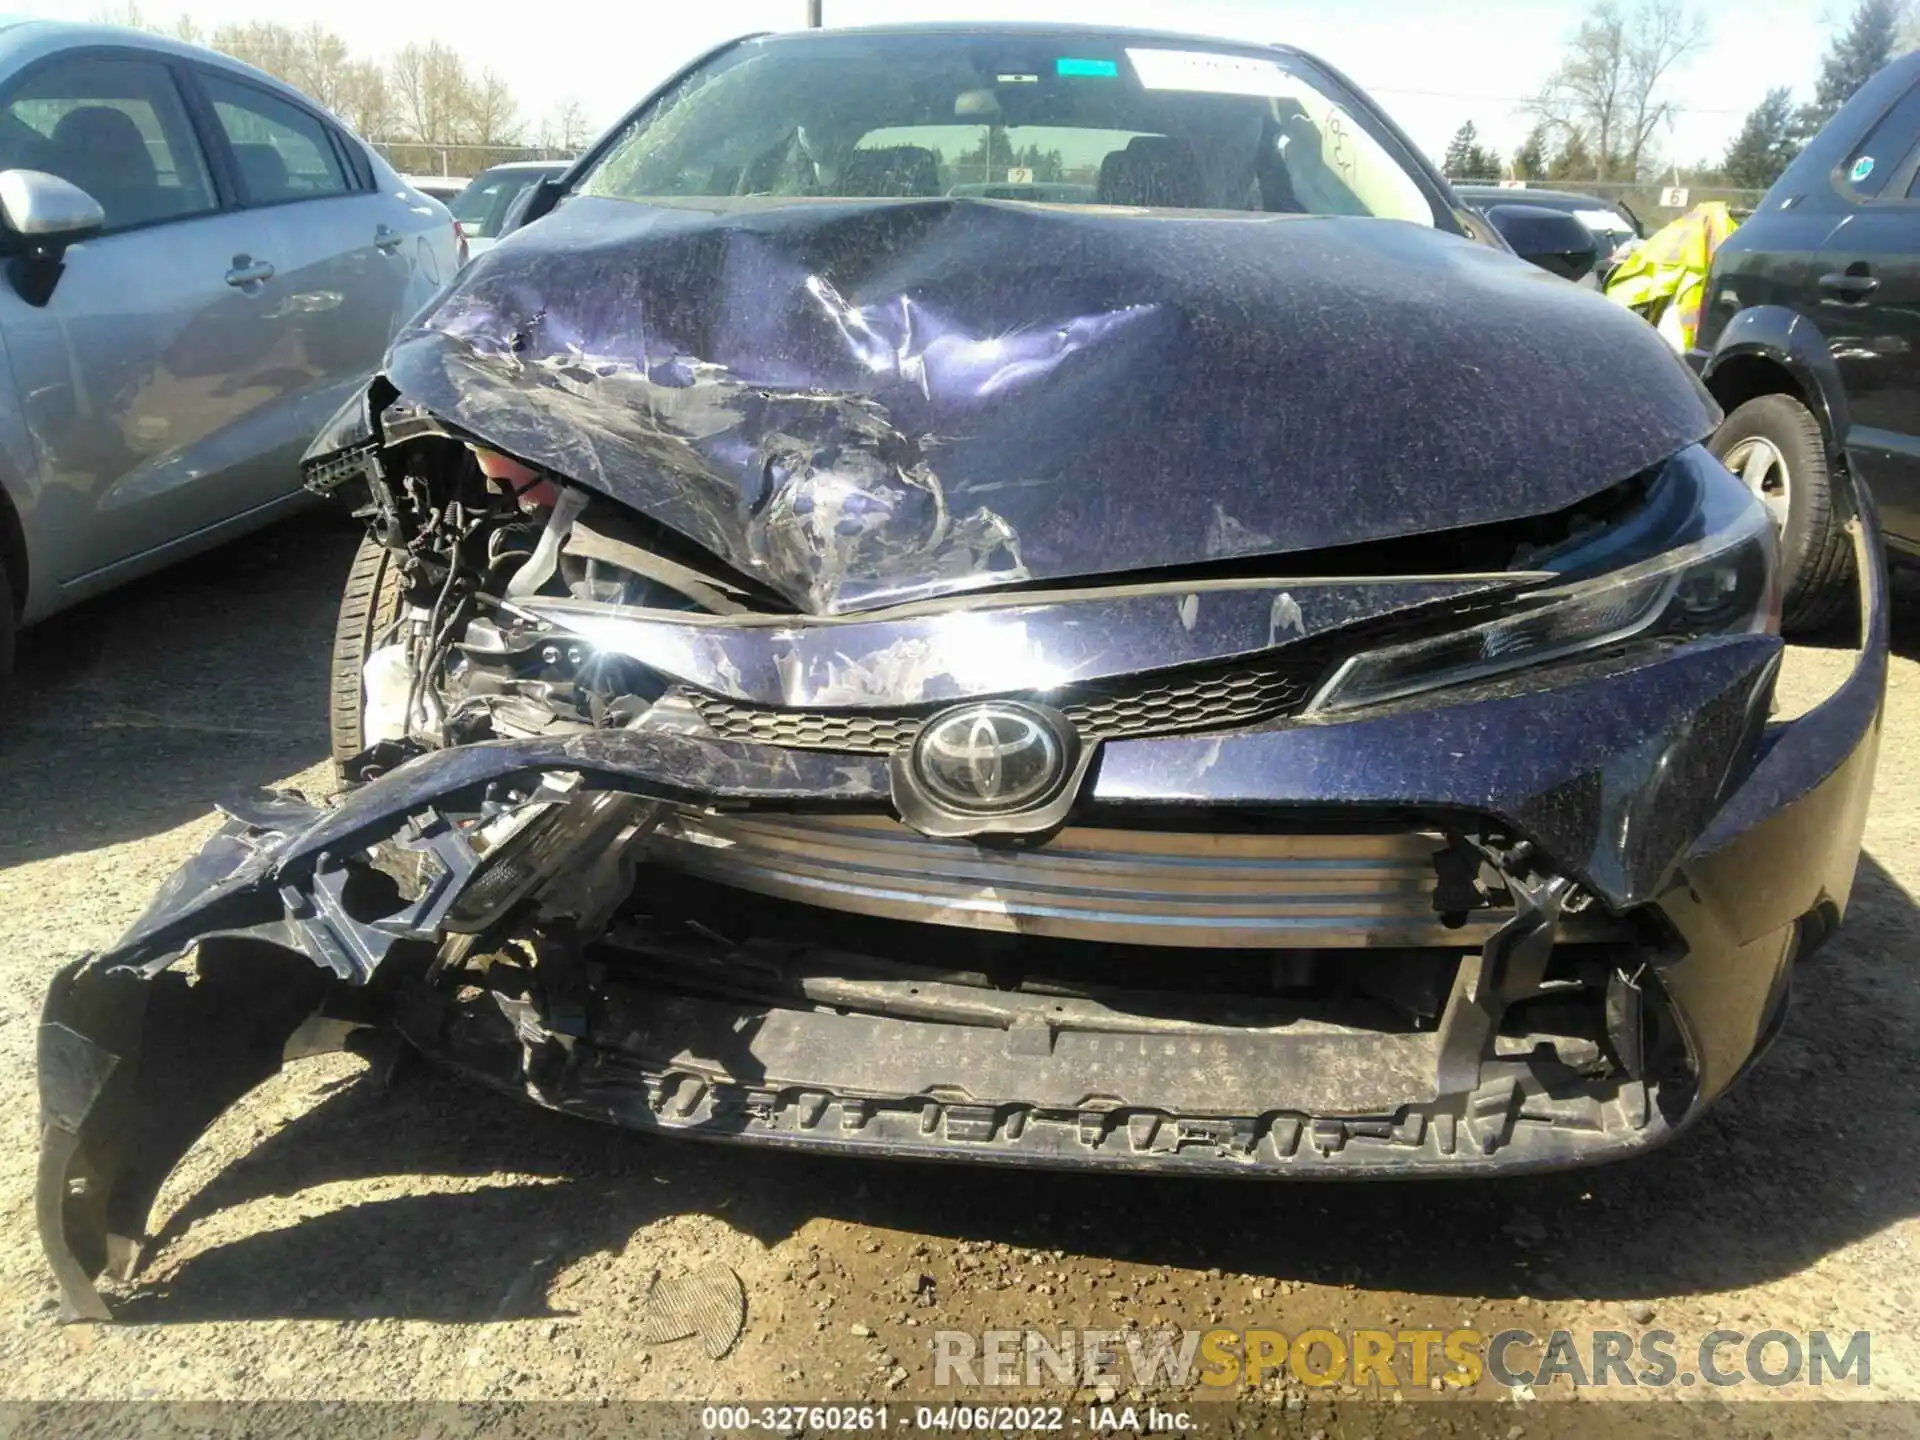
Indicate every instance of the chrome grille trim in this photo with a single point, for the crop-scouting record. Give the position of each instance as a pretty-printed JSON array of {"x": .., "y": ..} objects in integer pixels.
[
  {"x": 1137, "y": 887},
  {"x": 1145, "y": 705}
]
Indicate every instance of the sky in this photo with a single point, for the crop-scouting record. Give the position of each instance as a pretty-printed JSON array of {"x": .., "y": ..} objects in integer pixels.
[{"x": 1431, "y": 63}]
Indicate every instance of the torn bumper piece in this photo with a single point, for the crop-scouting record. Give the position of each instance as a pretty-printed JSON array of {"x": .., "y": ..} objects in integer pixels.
[{"x": 527, "y": 911}]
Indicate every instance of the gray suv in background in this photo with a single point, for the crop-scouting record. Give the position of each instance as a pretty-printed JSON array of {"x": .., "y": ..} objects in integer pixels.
[
  {"x": 483, "y": 207},
  {"x": 200, "y": 265}
]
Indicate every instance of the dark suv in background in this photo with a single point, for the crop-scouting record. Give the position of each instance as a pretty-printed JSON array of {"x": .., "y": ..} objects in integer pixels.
[
  {"x": 1810, "y": 340},
  {"x": 1614, "y": 227}
]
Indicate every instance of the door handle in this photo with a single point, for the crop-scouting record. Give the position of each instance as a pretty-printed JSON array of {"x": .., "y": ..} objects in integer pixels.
[
  {"x": 386, "y": 238},
  {"x": 248, "y": 271},
  {"x": 1853, "y": 287}
]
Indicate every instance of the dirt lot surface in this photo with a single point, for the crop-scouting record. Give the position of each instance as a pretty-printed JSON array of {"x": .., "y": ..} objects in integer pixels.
[{"x": 333, "y": 1237}]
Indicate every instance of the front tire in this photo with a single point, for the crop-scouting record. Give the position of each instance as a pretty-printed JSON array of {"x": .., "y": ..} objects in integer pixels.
[
  {"x": 368, "y": 607},
  {"x": 1775, "y": 445}
]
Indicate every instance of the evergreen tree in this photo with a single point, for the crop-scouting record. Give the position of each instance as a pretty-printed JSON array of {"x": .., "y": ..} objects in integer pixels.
[
  {"x": 1048, "y": 166},
  {"x": 1574, "y": 161},
  {"x": 1468, "y": 159},
  {"x": 1530, "y": 160},
  {"x": 1853, "y": 58},
  {"x": 989, "y": 159},
  {"x": 1455, "y": 163},
  {"x": 1765, "y": 145}
]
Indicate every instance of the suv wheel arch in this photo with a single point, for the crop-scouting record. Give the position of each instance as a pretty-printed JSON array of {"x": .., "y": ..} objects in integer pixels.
[
  {"x": 1773, "y": 350},
  {"x": 1748, "y": 375}
]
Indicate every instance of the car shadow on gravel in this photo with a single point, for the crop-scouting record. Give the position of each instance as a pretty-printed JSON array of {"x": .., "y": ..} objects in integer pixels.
[
  {"x": 478, "y": 1200},
  {"x": 135, "y": 712}
]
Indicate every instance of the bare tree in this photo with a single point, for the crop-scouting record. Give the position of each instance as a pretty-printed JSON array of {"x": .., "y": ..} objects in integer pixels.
[
  {"x": 492, "y": 117},
  {"x": 129, "y": 14},
  {"x": 1609, "y": 89},
  {"x": 316, "y": 62},
  {"x": 1665, "y": 33},
  {"x": 363, "y": 99},
  {"x": 429, "y": 87},
  {"x": 426, "y": 94},
  {"x": 565, "y": 127},
  {"x": 263, "y": 45},
  {"x": 321, "y": 62},
  {"x": 122, "y": 12},
  {"x": 439, "y": 105}
]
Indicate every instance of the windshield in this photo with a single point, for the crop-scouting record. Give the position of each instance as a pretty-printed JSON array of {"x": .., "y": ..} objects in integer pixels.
[
  {"x": 1067, "y": 119},
  {"x": 482, "y": 207},
  {"x": 1609, "y": 225}
]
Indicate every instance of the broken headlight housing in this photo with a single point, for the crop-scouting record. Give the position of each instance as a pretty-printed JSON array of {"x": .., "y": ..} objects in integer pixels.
[{"x": 1720, "y": 584}]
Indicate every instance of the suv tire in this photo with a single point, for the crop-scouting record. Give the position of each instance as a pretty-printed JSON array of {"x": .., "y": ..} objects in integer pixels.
[
  {"x": 1775, "y": 444},
  {"x": 368, "y": 607}
]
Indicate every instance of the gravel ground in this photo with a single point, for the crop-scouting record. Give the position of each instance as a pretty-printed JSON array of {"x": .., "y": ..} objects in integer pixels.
[{"x": 337, "y": 1237}]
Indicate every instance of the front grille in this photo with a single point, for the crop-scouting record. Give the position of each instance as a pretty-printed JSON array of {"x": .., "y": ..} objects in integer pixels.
[
  {"x": 1235, "y": 697},
  {"x": 1172, "y": 703},
  {"x": 866, "y": 734},
  {"x": 1137, "y": 887}
]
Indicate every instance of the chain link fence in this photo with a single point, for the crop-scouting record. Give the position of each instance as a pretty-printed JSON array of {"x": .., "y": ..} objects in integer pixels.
[{"x": 416, "y": 157}]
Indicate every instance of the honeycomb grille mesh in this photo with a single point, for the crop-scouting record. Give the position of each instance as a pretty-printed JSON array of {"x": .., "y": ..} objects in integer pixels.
[
  {"x": 879, "y": 733},
  {"x": 1169, "y": 704},
  {"x": 1233, "y": 697}
]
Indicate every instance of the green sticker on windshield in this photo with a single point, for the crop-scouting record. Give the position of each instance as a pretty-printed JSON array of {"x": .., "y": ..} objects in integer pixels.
[
  {"x": 1862, "y": 168},
  {"x": 1105, "y": 69}
]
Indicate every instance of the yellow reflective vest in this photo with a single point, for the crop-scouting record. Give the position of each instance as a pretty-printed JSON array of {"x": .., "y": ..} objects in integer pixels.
[{"x": 1665, "y": 280}]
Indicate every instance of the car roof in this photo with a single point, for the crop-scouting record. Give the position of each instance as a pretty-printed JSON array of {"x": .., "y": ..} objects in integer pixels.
[{"x": 528, "y": 165}]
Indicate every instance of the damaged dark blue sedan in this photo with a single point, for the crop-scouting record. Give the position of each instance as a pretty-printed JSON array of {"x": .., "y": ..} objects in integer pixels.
[{"x": 1024, "y": 595}]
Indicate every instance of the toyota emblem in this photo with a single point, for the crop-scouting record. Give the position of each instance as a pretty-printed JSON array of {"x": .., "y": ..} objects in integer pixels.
[{"x": 989, "y": 758}]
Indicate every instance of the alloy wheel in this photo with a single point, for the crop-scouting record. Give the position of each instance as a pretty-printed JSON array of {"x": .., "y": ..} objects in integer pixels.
[{"x": 1758, "y": 462}]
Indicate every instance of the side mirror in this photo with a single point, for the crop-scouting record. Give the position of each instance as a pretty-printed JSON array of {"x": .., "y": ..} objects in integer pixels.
[
  {"x": 45, "y": 215},
  {"x": 531, "y": 203},
  {"x": 1551, "y": 239}
]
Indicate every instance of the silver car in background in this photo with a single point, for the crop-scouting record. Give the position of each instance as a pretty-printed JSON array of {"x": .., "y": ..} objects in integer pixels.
[{"x": 201, "y": 265}]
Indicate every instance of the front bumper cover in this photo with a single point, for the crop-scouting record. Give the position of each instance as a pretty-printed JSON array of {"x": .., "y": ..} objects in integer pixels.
[{"x": 1650, "y": 784}]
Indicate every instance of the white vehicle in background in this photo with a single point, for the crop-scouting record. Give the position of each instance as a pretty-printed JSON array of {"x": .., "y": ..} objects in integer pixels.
[
  {"x": 441, "y": 187},
  {"x": 201, "y": 264},
  {"x": 481, "y": 209}
]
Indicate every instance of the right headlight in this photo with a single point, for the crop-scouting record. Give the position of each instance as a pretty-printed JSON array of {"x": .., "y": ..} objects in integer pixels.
[{"x": 1722, "y": 583}]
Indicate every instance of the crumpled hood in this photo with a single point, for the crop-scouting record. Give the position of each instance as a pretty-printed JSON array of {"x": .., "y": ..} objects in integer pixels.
[{"x": 859, "y": 403}]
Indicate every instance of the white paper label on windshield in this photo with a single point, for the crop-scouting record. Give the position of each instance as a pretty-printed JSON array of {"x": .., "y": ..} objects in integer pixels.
[
  {"x": 1211, "y": 74},
  {"x": 1603, "y": 220}
]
